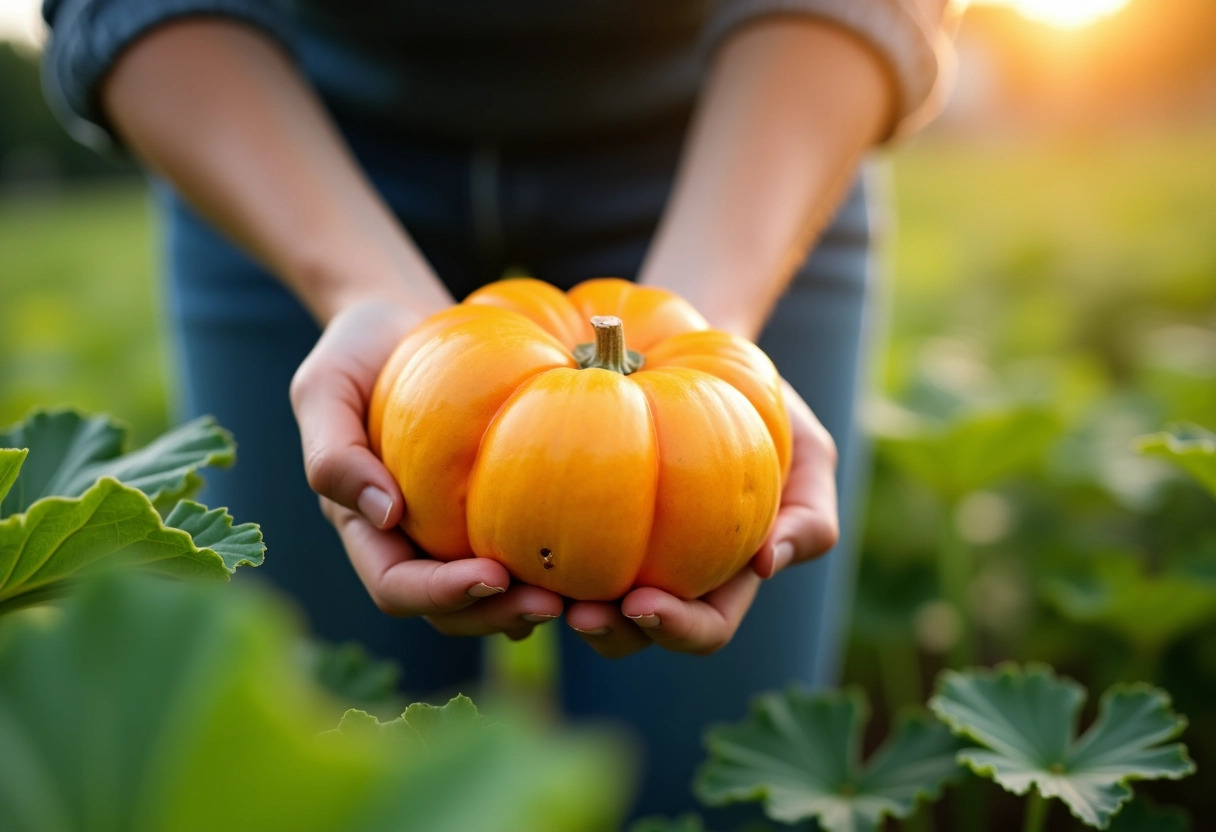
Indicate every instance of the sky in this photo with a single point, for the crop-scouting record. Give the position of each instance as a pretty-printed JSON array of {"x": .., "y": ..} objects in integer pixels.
[{"x": 20, "y": 21}]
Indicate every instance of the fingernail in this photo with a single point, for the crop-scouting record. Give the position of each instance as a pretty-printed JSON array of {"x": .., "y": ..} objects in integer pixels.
[
  {"x": 376, "y": 506},
  {"x": 536, "y": 617},
  {"x": 783, "y": 555},
  {"x": 649, "y": 622},
  {"x": 598, "y": 631},
  {"x": 484, "y": 590}
]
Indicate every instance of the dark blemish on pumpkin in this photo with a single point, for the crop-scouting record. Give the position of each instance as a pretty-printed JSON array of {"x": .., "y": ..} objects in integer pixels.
[
  {"x": 737, "y": 526},
  {"x": 546, "y": 555}
]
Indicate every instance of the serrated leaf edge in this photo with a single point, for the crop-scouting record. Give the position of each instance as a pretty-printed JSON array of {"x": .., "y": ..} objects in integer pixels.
[
  {"x": 111, "y": 482},
  {"x": 181, "y": 488},
  {"x": 852, "y": 693},
  {"x": 1011, "y": 669},
  {"x": 226, "y": 521}
]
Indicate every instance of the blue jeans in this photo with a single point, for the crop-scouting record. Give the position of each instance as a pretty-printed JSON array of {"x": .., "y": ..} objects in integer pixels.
[{"x": 564, "y": 214}]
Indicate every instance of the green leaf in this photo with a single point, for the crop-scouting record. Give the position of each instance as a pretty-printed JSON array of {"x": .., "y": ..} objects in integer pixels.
[
  {"x": 212, "y": 530},
  {"x": 420, "y": 725},
  {"x": 45, "y": 550},
  {"x": 354, "y": 676},
  {"x": 1190, "y": 447},
  {"x": 70, "y": 451},
  {"x": 684, "y": 823},
  {"x": 458, "y": 715},
  {"x": 973, "y": 451},
  {"x": 10, "y": 467},
  {"x": 1117, "y": 592},
  {"x": 799, "y": 753},
  {"x": 519, "y": 776},
  {"x": 165, "y": 706},
  {"x": 172, "y": 707},
  {"x": 1026, "y": 723}
]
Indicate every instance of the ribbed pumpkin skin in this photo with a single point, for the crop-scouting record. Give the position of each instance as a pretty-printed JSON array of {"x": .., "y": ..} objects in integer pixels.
[{"x": 583, "y": 481}]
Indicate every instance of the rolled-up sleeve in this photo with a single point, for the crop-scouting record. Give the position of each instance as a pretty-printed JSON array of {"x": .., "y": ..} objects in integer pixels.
[
  {"x": 909, "y": 35},
  {"x": 88, "y": 36}
]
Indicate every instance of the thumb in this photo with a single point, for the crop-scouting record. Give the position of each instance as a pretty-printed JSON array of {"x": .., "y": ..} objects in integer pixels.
[{"x": 329, "y": 395}]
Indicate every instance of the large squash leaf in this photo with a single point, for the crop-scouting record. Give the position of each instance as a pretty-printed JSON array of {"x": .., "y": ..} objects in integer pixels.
[
  {"x": 71, "y": 504},
  {"x": 171, "y": 707},
  {"x": 1149, "y": 609},
  {"x": 11, "y": 460},
  {"x": 973, "y": 451},
  {"x": 69, "y": 452},
  {"x": 799, "y": 753},
  {"x": 165, "y": 706},
  {"x": 1190, "y": 447},
  {"x": 420, "y": 724},
  {"x": 515, "y": 775},
  {"x": 1026, "y": 724},
  {"x": 46, "y": 549}
]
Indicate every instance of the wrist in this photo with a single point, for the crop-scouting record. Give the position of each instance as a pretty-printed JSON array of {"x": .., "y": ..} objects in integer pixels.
[
  {"x": 732, "y": 300},
  {"x": 329, "y": 276}
]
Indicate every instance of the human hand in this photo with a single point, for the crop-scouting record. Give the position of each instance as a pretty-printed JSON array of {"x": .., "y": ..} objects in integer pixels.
[
  {"x": 330, "y": 394},
  {"x": 806, "y": 527}
]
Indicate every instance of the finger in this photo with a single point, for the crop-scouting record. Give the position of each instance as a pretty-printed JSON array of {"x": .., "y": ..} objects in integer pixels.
[
  {"x": 337, "y": 461},
  {"x": 807, "y": 522},
  {"x": 602, "y": 626},
  {"x": 702, "y": 626},
  {"x": 329, "y": 393},
  {"x": 801, "y": 533},
  {"x": 403, "y": 584},
  {"x": 516, "y": 612}
]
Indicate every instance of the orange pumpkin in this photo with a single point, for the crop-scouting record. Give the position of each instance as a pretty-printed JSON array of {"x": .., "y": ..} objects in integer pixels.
[{"x": 520, "y": 428}]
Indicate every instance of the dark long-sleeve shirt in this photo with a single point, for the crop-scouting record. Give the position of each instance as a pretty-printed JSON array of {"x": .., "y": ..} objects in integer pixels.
[{"x": 486, "y": 70}]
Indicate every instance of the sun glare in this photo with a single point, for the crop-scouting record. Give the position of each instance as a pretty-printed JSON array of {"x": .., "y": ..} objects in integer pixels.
[{"x": 1067, "y": 14}]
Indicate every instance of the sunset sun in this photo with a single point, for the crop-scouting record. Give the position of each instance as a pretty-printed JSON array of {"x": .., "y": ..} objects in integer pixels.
[{"x": 1067, "y": 14}]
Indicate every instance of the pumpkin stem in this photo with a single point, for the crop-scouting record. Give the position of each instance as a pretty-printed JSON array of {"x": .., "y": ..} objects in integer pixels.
[{"x": 608, "y": 352}]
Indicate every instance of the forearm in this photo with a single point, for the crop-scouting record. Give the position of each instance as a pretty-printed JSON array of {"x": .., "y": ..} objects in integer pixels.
[
  {"x": 218, "y": 109},
  {"x": 787, "y": 111}
]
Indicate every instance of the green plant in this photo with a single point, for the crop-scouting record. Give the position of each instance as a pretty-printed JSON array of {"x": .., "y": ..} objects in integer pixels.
[
  {"x": 72, "y": 503},
  {"x": 1025, "y": 722},
  {"x": 800, "y": 755},
  {"x": 1190, "y": 447},
  {"x": 956, "y": 456},
  {"x": 154, "y": 706},
  {"x": 351, "y": 675}
]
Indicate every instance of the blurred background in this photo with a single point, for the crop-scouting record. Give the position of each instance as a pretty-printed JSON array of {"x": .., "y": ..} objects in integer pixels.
[{"x": 1050, "y": 293}]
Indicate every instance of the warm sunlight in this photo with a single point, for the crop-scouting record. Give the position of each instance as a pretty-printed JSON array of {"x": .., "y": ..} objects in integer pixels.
[
  {"x": 1068, "y": 14},
  {"x": 21, "y": 22}
]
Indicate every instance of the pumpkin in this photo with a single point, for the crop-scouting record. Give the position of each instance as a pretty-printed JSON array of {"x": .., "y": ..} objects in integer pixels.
[{"x": 591, "y": 441}]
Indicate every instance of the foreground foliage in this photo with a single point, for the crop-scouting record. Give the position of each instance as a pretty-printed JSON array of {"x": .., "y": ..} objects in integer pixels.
[
  {"x": 164, "y": 706},
  {"x": 1026, "y": 724},
  {"x": 71, "y": 503},
  {"x": 800, "y": 754}
]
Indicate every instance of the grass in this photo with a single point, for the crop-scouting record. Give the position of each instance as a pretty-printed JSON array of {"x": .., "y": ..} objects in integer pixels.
[{"x": 79, "y": 321}]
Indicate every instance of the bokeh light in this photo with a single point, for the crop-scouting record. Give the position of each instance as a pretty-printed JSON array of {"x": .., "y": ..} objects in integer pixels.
[{"x": 1068, "y": 14}]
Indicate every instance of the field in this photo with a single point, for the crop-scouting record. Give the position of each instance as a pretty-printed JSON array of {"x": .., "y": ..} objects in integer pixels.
[
  {"x": 1081, "y": 251},
  {"x": 1048, "y": 302}
]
